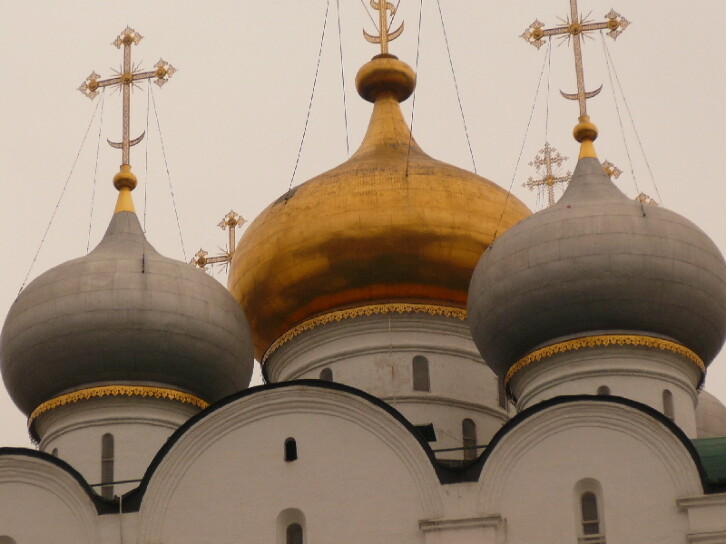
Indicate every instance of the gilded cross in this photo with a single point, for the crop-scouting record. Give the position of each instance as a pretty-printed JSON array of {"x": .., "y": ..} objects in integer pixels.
[
  {"x": 645, "y": 199},
  {"x": 127, "y": 76},
  {"x": 384, "y": 34},
  {"x": 547, "y": 158},
  {"x": 230, "y": 222},
  {"x": 575, "y": 27},
  {"x": 611, "y": 170}
]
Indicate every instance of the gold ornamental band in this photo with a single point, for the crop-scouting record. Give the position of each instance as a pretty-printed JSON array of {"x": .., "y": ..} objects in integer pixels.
[
  {"x": 117, "y": 391},
  {"x": 373, "y": 309},
  {"x": 601, "y": 341}
]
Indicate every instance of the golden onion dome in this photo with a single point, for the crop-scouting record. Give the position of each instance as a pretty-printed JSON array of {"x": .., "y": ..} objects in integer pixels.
[{"x": 391, "y": 224}]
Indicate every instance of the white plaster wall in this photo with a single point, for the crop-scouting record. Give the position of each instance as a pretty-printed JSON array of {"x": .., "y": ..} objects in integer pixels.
[
  {"x": 375, "y": 353},
  {"x": 448, "y": 421},
  {"x": 706, "y": 516},
  {"x": 140, "y": 426},
  {"x": 360, "y": 476},
  {"x": 643, "y": 469},
  {"x": 633, "y": 372},
  {"x": 40, "y": 502}
]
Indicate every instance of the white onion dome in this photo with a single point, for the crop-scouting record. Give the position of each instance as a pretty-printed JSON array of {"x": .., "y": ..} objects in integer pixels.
[
  {"x": 124, "y": 314},
  {"x": 596, "y": 262},
  {"x": 710, "y": 416}
]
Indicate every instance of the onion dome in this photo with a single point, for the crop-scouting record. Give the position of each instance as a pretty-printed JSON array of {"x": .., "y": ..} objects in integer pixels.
[
  {"x": 124, "y": 320},
  {"x": 598, "y": 262},
  {"x": 390, "y": 224},
  {"x": 710, "y": 416}
]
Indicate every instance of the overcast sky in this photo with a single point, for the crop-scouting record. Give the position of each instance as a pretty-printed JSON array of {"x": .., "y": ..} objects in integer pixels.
[{"x": 232, "y": 117}]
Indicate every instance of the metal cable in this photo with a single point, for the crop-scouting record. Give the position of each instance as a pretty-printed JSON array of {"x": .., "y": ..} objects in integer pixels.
[
  {"x": 456, "y": 86},
  {"x": 365, "y": 8},
  {"x": 548, "y": 54},
  {"x": 146, "y": 151},
  {"x": 312, "y": 95},
  {"x": 611, "y": 70},
  {"x": 168, "y": 175},
  {"x": 342, "y": 77},
  {"x": 57, "y": 204},
  {"x": 395, "y": 12},
  {"x": 95, "y": 170},
  {"x": 413, "y": 98},
  {"x": 521, "y": 150}
]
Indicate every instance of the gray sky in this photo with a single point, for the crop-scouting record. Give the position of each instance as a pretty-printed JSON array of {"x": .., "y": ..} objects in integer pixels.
[{"x": 232, "y": 117}]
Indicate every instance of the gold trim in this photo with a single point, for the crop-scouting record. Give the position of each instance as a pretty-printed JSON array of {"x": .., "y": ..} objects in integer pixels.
[
  {"x": 117, "y": 391},
  {"x": 601, "y": 341},
  {"x": 351, "y": 313}
]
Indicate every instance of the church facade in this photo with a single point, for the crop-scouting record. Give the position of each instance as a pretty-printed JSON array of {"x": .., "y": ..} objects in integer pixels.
[{"x": 441, "y": 366}]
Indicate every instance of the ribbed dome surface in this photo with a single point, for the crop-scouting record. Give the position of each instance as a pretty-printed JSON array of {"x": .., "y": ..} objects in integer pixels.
[
  {"x": 389, "y": 224},
  {"x": 597, "y": 261},
  {"x": 710, "y": 416},
  {"x": 124, "y": 314}
]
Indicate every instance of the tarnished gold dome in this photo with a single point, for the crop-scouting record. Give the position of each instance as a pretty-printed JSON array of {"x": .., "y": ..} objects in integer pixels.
[{"x": 390, "y": 224}]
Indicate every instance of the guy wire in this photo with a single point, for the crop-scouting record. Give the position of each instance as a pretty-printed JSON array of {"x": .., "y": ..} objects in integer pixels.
[{"x": 57, "y": 204}]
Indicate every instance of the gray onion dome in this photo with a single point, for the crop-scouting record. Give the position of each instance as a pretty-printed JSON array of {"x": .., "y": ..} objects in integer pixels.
[
  {"x": 710, "y": 416},
  {"x": 124, "y": 314},
  {"x": 597, "y": 261}
]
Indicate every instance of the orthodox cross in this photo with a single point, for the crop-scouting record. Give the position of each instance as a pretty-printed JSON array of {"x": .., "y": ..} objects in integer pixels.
[
  {"x": 548, "y": 157},
  {"x": 230, "y": 222},
  {"x": 645, "y": 199},
  {"x": 575, "y": 26},
  {"x": 611, "y": 170},
  {"x": 127, "y": 76},
  {"x": 384, "y": 33}
]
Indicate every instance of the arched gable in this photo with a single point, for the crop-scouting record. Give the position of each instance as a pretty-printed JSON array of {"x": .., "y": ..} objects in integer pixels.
[
  {"x": 42, "y": 496},
  {"x": 643, "y": 465},
  {"x": 233, "y": 456}
]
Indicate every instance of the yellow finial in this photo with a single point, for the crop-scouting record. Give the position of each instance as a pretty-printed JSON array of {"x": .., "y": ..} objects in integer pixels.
[
  {"x": 384, "y": 32},
  {"x": 585, "y": 132},
  {"x": 125, "y": 181}
]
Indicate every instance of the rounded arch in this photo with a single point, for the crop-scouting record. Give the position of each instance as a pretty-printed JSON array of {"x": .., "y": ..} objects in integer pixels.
[
  {"x": 5, "y": 539},
  {"x": 356, "y": 410},
  {"x": 665, "y": 442},
  {"x": 290, "y": 526}
]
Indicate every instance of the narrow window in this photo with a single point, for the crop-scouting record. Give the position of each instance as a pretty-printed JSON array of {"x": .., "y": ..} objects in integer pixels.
[
  {"x": 4, "y": 539},
  {"x": 668, "y": 409},
  {"x": 502, "y": 393},
  {"x": 590, "y": 517},
  {"x": 290, "y": 450},
  {"x": 420, "y": 367},
  {"x": 54, "y": 453},
  {"x": 326, "y": 374},
  {"x": 107, "y": 465},
  {"x": 294, "y": 534},
  {"x": 468, "y": 431},
  {"x": 603, "y": 390}
]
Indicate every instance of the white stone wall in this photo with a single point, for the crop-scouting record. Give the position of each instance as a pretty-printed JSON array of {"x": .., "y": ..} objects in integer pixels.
[
  {"x": 362, "y": 477},
  {"x": 633, "y": 372},
  {"x": 375, "y": 354},
  {"x": 139, "y": 426},
  {"x": 40, "y": 502},
  {"x": 533, "y": 476}
]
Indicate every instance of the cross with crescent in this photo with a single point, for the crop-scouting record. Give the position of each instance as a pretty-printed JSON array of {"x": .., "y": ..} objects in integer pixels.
[
  {"x": 384, "y": 35},
  {"x": 576, "y": 27},
  {"x": 231, "y": 221},
  {"x": 126, "y": 77},
  {"x": 548, "y": 157}
]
